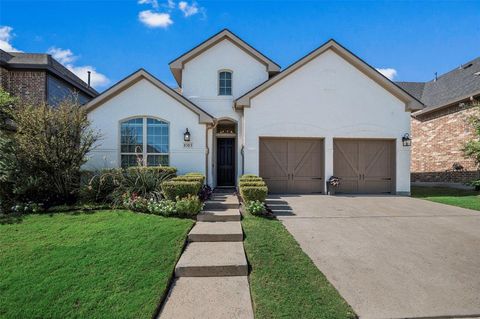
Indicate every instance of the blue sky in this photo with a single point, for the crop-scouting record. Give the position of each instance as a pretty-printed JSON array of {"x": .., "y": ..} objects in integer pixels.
[{"x": 115, "y": 38}]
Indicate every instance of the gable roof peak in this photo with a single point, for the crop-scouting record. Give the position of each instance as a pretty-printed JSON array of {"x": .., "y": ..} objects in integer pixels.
[
  {"x": 412, "y": 103},
  {"x": 136, "y": 77},
  {"x": 176, "y": 66}
]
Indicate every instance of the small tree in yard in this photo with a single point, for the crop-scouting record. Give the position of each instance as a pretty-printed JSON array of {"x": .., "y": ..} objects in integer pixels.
[
  {"x": 40, "y": 161},
  {"x": 471, "y": 148}
]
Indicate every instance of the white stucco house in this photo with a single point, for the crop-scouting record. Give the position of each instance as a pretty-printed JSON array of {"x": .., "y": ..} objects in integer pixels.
[{"x": 328, "y": 114}]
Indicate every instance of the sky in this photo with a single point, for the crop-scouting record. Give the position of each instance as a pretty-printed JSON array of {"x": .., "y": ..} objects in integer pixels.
[{"x": 405, "y": 40}]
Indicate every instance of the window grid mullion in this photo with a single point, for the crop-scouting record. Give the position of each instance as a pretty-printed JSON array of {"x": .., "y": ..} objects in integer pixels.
[{"x": 144, "y": 150}]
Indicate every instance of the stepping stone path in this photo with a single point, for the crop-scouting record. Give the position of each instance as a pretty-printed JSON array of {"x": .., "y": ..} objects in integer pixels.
[{"x": 211, "y": 276}]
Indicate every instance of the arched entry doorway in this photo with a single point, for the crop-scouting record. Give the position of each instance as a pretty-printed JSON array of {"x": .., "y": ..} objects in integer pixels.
[{"x": 226, "y": 140}]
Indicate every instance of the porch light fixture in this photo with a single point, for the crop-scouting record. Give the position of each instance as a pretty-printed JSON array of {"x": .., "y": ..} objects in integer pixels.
[
  {"x": 186, "y": 136},
  {"x": 406, "y": 140}
]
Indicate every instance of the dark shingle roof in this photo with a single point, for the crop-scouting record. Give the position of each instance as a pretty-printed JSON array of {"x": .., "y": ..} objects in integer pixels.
[
  {"x": 414, "y": 88},
  {"x": 454, "y": 86},
  {"x": 20, "y": 60}
]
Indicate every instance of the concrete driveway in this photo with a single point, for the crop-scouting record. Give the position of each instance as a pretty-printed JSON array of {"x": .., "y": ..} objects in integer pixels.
[{"x": 390, "y": 257}]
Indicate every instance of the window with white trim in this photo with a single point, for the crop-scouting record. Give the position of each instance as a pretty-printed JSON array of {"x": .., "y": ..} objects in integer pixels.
[
  {"x": 225, "y": 83},
  {"x": 144, "y": 141}
]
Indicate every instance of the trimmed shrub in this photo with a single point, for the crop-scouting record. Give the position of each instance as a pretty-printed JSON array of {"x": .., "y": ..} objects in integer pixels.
[
  {"x": 250, "y": 178},
  {"x": 190, "y": 178},
  {"x": 174, "y": 188},
  {"x": 189, "y": 206},
  {"x": 254, "y": 193},
  {"x": 154, "y": 169},
  {"x": 251, "y": 183},
  {"x": 247, "y": 176},
  {"x": 194, "y": 174}
]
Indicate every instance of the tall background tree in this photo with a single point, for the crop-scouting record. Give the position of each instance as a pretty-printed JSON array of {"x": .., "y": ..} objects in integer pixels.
[{"x": 40, "y": 160}]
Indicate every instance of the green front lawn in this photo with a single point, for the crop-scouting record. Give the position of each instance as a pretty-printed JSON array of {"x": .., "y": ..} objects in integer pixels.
[
  {"x": 450, "y": 196},
  {"x": 108, "y": 264},
  {"x": 284, "y": 282}
]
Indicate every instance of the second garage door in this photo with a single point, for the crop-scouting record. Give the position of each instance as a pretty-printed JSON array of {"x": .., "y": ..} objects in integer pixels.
[
  {"x": 364, "y": 166},
  {"x": 292, "y": 165}
]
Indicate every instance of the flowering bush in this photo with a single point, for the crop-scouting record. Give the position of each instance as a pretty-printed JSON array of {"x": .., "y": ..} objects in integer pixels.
[
  {"x": 334, "y": 181},
  {"x": 164, "y": 207},
  {"x": 27, "y": 208},
  {"x": 255, "y": 207},
  {"x": 188, "y": 206},
  {"x": 135, "y": 202}
]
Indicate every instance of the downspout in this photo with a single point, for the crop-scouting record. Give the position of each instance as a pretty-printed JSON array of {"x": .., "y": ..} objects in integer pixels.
[
  {"x": 207, "y": 152},
  {"x": 243, "y": 158},
  {"x": 242, "y": 150}
]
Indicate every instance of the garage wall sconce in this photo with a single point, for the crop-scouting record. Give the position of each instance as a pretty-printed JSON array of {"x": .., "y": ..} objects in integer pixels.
[{"x": 406, "y": 140}]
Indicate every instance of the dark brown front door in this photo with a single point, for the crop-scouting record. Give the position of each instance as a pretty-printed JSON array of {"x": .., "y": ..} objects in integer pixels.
[{"x": 226, "y": 162}]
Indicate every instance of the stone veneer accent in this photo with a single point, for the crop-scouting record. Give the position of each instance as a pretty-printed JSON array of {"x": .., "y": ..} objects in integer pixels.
[
  {"x": 29, "y": 85},
  {"x": 437, "y": 140}
]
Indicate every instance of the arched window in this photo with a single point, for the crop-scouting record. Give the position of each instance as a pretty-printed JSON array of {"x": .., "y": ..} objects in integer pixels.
[
  {"x": 225, "y": 83},
  {"x": 144, "y": 141}
]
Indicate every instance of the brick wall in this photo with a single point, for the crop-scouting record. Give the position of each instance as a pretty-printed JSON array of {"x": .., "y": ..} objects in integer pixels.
[
  {"x": 437, "y": 140},
  {"x": 28, "y": 85}
]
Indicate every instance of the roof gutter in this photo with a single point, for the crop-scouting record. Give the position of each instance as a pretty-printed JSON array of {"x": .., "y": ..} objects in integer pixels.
[{"x": 466, "y": 98}]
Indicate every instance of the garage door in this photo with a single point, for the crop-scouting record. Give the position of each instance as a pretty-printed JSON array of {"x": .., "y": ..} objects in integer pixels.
[
  {"x": 364, "y": 166},
  {"x": 292, "y": 165}
]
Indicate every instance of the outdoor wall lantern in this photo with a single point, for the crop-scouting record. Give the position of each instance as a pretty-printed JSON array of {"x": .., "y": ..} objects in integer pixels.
[
  {"x": 186, "y": 136},
  {"x": 406, "y": 140}
]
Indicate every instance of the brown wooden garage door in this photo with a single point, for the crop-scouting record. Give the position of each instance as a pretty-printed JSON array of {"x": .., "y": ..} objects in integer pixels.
[
  {"x": 364, "y": 166},
  {"x": 292, "y": 165}
]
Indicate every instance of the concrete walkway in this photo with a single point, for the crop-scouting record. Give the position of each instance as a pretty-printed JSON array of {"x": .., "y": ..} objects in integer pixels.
[
  {"x": 211, "y": 275},
  {"x": 390, "y": 257}
]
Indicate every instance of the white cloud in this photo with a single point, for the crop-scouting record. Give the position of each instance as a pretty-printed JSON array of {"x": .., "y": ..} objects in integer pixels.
[
  {"x": 388, "y": 72},
  {"x": 66, "y": 57},
  {"x": 188, "y": 10},
  {"x": 153, "y": 3},
  {"x": 97, "y": 79},
  {"x": 6, "y": 36},
  {"x": 61, "y": 55},
  {"x": 154, "y": 19},
  {"x": 170, "y": 4}
]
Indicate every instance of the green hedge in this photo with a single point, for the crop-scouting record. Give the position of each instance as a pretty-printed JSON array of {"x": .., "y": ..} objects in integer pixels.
[
  {"x": 154, "y": 169},
  {"x": 250, "y": 178},
  {"x": 194, "y": 174},
  {"x": 190, "y": 178},
  {"x": 251, "y": 183},
  {"x": 254, "y": 193},
  {"x": 174, "y": 188}
]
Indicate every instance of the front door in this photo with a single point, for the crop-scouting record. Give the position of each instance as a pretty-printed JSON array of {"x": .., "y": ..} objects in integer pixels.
[{"x": 225, "y": 162}]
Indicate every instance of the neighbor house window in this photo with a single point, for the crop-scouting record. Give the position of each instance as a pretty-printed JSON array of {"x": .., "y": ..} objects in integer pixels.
[
  {"x": 144, "y": 141},
  {"x": 225, "y": 83}
]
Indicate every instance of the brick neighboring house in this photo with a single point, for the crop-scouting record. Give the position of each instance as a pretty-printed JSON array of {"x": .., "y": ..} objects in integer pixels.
[
  {"x": 40, "y": 78},
  {"x": 440, "y": 130}
]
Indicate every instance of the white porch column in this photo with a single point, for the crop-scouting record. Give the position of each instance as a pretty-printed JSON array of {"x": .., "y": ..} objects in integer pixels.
[{"x": 328, "y": 159}]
